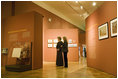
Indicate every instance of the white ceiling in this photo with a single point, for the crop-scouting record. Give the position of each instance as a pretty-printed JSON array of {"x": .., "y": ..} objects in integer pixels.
[{"x": 70, "y": 10}]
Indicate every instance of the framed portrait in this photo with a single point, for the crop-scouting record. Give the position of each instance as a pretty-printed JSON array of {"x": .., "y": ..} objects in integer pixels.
[
  {"x": 103, "y": 31},
  {"x": 113, "y": 27}
]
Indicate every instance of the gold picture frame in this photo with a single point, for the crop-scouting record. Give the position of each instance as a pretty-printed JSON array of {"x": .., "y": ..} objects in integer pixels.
[
  {"x": 103, "y": 31},
  {"x": 113, "y": 27}
]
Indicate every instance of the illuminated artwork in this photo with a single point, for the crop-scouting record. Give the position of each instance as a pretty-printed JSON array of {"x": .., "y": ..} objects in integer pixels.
[
  {"x": 103, "y": 31},
  {"x": 113, "y": 25},
  {"x": 70, "y": 41},
  {"x": 55, "y": 41},
  {"x": 74, "y": 45},
  {"x": 49, "y": 40},
  {"x": 4, "y": 50},
  {"x": 54, "y": 45},
  {"x": 49, "y": 45}
]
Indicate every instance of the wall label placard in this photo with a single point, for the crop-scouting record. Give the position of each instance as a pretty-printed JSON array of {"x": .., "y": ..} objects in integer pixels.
[{"x": 16, "y": 52}]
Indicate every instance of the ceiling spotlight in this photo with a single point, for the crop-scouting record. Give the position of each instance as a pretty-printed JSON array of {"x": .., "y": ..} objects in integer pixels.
[
  {"x": 76, "y": 1},
  {"x": 94, "y": 3},
  {"x": 81, "y": 7}
]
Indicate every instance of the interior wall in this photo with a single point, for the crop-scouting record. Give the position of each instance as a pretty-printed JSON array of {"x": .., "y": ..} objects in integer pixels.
[
  {"x": 50, "y": 53},
  {"x": 102, "y": 54},
  {"x": 24, "y": 29},
  {"x": 6, "y": 11},
  {"x": 55, "y": 24},
  {"x": 82, "y": 38}
]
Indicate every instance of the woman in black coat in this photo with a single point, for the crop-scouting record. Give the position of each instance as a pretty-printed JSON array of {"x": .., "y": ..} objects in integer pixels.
[
  {"x": 59, "y": 59},
  {"x": 65, "y": 51}
]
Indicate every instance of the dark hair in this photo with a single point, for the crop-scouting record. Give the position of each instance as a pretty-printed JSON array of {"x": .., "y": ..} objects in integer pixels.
[
  {"x": 65, "y": 39},
  {"x": 59, "y": 38}
]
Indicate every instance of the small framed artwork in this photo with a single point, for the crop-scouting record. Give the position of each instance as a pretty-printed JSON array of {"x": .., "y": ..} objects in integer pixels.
[
  {"x": 113, "y": 27},
  {"x": 103, "y": 31},
  {"x": 70, "y": 41},
  {"x": 49, "y": 45},
  {"x": 4, "y": 50},
  {"x": 49, "y": 40},
  {"x": 54, "y": 45},
  {"x": 55, "y": 40},
  {"x": 70, "y": 45},
  {"x": 75, "y": 45}
]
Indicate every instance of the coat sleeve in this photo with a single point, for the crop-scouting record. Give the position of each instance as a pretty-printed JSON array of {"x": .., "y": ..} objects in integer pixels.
[{"x": 57, "y": 46}]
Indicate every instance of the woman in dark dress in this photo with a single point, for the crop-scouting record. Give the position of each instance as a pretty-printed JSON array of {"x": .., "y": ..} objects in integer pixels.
[
  {"x": 65, "y": 51},
  {"x": 59, "y": 60}
]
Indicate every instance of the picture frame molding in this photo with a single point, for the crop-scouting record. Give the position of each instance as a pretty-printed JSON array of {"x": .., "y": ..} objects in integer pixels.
[
  {"x": 111, "y": 29},
  {"x": 107, "y": 31}
]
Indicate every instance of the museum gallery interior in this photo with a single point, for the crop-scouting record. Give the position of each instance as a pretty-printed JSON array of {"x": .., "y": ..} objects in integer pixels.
[{"x": 29, "y": 31}]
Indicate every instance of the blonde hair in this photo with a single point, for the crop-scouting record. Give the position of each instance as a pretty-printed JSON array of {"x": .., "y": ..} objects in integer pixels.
[{"x": 65, "y": 39}]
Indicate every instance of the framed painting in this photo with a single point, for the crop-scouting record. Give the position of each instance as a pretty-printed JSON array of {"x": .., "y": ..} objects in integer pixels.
[
  {"x": 113, "y": 27},
  {"x": 54, "y": 45},
  {"x": 49, "y": 40},
  {"x": 103, "y": 31},
  {"x": 4, "y": 50},
  {"x": 49, "y": 45},
  {"x": 55, "y": 40}
]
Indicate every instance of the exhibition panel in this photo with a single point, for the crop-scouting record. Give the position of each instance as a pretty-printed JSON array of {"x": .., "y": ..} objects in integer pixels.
[{"x": 21, "y": 52}]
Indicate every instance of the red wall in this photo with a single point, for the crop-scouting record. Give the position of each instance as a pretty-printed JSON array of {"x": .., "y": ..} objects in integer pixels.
[
  {"x": 56, "y": 24},
  {"x": 31, "y": 25},
  {"x": 102, "y": 54},
  {"x": 50, "y": 53},
  {"x": 6, "y": 11},
  {"x": 82, "y": 38}
]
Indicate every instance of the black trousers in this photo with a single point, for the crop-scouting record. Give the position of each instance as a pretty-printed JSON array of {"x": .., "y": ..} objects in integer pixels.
[{"x": 65, "y": 59}]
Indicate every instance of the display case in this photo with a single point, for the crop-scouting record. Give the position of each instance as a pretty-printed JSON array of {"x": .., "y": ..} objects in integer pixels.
[{"x": 22, "y": 53}]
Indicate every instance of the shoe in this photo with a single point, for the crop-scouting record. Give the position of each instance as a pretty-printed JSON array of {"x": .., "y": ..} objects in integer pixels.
[{"x": 66, "y": 67}]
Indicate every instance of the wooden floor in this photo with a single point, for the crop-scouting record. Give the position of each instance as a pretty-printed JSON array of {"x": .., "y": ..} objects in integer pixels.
[{"x": 49, "y": 70}]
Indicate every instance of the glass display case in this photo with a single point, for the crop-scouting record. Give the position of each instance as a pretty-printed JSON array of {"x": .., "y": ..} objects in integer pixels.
[{"x": 21, "y": 52}]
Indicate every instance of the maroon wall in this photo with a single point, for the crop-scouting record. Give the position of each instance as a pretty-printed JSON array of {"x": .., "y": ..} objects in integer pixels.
[{"x": 102, "y": 54}]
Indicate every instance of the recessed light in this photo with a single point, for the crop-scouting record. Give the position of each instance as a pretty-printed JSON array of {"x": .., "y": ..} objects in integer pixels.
[
  {"x": 94, "y": 3},
  {"x": 81, "y": 7},
  {"x": 49, "y": 19}
]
